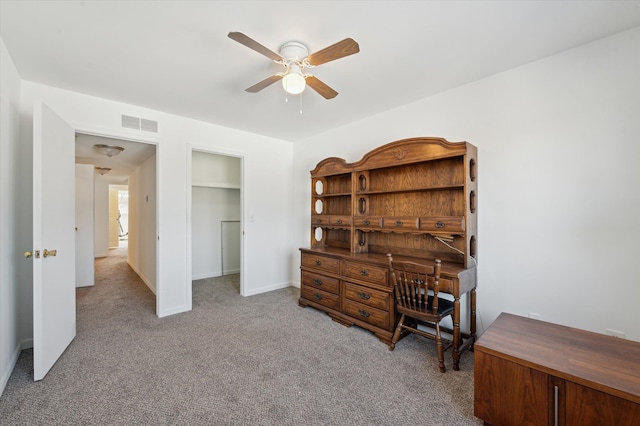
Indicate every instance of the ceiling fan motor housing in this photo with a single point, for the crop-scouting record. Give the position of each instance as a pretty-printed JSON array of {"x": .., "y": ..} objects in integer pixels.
[{"x": 293, "y": 51}]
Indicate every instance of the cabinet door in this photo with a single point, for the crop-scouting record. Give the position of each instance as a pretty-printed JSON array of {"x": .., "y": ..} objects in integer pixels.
[
  {"x": 586, "y": 406},
  {"x": 506, "y": 393}
]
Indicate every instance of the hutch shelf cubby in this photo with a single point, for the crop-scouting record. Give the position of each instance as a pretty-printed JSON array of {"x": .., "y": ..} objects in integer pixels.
[{"x": 414, "y": 198}]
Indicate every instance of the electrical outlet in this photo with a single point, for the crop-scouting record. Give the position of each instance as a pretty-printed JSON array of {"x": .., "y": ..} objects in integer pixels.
[
  {"x": 534, "y": 316},
  {"x": 615, "y": 333}
]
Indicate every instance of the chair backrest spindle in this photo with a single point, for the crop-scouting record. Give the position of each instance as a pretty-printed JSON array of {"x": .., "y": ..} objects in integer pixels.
[{"x": 413, "y": 281}]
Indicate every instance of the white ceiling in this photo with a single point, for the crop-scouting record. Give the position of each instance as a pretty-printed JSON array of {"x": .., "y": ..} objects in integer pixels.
[
  {"x": 121, "y": 165},
  {"x": 175, "y": 56}
]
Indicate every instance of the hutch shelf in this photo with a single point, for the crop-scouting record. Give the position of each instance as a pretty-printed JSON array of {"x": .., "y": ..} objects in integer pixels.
[{"x": 414, "y": 198}]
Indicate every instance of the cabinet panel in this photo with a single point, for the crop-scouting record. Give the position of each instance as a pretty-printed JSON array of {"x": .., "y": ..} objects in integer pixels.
[
  {"x": 585, "y": 406},
  {"x": 586, "y": 378},
  {"x": 507, "y": 393}
]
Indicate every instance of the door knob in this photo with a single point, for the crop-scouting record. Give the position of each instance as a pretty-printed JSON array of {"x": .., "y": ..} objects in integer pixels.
[
  {"x": 35, "y": 254},
  {"x": 28, "y": 254},
  {"x": 47, "y": 253}
]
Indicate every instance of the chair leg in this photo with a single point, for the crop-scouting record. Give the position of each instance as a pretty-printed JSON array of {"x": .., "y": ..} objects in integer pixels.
[
  {"x": 439, "y": 348},
  {"x": 396, "y": 334}
]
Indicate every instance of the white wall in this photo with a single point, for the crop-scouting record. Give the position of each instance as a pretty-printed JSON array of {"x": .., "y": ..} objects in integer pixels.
[
  {"x": 210, "y": 207},
  {"x": 268, "y": 171},
  {"x": 558, "y": 199},
  {"x": 85, "y": 216},
  {"x": 114, "y": 230},
  {"x": 143, "y": 196},
  {"x": 101, "y": 222},
  {"x": 11, "y": 336}
]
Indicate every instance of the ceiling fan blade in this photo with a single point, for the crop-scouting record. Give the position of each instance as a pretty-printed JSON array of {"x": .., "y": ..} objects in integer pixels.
[
  {"x": 264, "y": 83},
  {"x": 343, "y": 48},
  {"x": 324, "y": 90},
  {"x": 252, "y": 44}
]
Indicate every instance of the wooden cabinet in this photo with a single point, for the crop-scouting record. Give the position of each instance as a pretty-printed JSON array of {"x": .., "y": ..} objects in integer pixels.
[
  {"x": 414, "y": 198},
  {"x": 530, "y": 372}
]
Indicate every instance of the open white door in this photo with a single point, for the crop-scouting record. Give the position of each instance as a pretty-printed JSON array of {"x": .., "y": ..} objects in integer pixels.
[{"x": 54, "y": 289}]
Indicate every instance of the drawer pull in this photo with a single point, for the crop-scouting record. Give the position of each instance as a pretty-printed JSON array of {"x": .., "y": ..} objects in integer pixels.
[
  {"x": 398, "y": 223},
  {"x": 318, "y": 262},
  {"x": 364, "y": 296},
  {"x": 317, "y": 296},
  {"x": 366, "y": 221},
  {"x": 339, "y": 221},
  {"x": 364, "y": 273},
  {"x": 317, "y": 281},
  {"x": 363, "y": 313},
  {"x": 318, "y": 220},
  {"x": 439, "y": 224}
]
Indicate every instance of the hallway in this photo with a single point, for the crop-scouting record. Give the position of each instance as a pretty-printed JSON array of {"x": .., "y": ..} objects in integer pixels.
[{"x": 118, "y": 290}]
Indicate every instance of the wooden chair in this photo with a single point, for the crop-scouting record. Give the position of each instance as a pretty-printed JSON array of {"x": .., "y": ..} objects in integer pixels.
[{"x": 416, "y": 290}]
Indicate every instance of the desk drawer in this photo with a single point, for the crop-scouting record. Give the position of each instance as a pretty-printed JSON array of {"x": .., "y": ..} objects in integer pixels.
[
  {"x": 370, "y": 222},
  {"x": 321, "y": 282},
  {"x": 325, "y": 263},
  {"x": 367, "y": 314},
  {"x": 319, "y": 220},
  {"x": 365, "y": 272},
  {"x": 401, "y": 223},
  {"x": 453, "y": 224},
  {"x": 324, "y": 298},
  {"x": 377, "y": 299}
]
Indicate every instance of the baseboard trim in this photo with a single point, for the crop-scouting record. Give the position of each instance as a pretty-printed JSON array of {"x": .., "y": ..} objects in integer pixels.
[
  {"x": 8, "y": 369},
  {"x": 269, "y": 288},
  {"x": 206, "y": 275},
  {"x": 143, "y": 278}
]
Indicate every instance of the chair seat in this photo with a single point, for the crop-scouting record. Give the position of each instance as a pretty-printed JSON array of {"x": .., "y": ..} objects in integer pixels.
[{"x": 445, "y": 307}]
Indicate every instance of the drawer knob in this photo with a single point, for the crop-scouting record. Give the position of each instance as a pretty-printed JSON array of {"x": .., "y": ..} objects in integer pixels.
[
  {"x": 318, "y": 220},
  {"x": 439, "y": 224},
  {"x": 318, "y": 262},
  {"x": 363, "y": 313},
  {"x": 317, "y": 281},
  {"x": 317, "y": 296},
  {"x": 398, "y": 223},
  {"x": 339, "y": 221},
  {"x": 364, "y": 273},
  {"x": 366, "y": 221},
  {"x": 364, "y": 296}
]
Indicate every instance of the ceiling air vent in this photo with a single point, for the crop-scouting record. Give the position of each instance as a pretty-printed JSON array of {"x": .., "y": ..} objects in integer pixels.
[
  {"x": 139, "y": 123},
  {"x": 148, "y": 125},
  {"x": 130, "y": 122}
]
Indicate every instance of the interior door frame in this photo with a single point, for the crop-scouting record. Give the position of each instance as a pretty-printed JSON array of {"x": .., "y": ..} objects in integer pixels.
[
  {"x": 114, "y": 134},
  {"x": 225, "y": 153}
]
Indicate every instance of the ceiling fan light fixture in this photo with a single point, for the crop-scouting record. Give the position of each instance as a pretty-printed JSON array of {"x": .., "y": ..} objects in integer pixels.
[
  {"x": 108, "y": 150},
  {"x": 293, "y": 83},
  {"x": 103, "y": 170}
]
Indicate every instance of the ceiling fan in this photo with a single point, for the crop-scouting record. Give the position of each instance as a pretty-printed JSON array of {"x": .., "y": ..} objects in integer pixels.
[{"x": 295, "y": 58}]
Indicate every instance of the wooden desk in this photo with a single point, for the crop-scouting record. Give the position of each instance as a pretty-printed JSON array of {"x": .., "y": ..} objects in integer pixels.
[
  {"x": 354, "y": 288},
  {"x": 535, "y": 372}
]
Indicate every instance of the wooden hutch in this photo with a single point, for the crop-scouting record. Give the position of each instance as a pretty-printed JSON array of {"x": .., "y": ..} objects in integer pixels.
[{"x": 415, "y": 198}]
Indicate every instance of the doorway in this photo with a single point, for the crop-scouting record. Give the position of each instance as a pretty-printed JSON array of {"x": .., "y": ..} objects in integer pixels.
[
  {"x": 125, "y": 212},
  {"x": 215, "y": 217}
]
